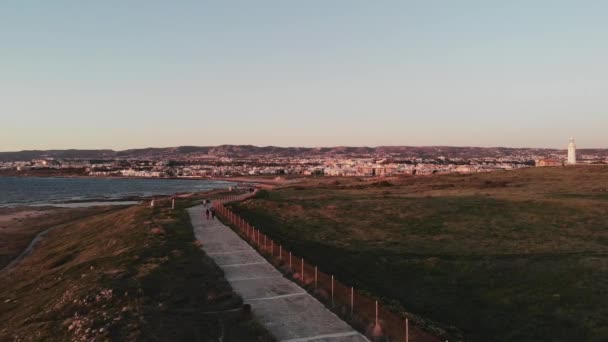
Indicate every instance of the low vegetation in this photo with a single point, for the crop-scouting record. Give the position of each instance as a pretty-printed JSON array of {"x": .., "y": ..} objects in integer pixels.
[
  {"x": 18, "y": 226},
  {"x": 505, "y": 256},
  {"x": 130, "y": 274}
]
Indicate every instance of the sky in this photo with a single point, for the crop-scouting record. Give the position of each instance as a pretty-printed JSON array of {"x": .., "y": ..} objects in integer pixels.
[{"x": 130, "y": 74}]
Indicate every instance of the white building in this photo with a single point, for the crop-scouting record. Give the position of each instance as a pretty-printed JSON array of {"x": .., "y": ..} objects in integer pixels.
[{"x": 571, "y": 152}]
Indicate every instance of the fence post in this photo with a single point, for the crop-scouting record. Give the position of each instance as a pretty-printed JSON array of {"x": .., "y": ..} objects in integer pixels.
[
  {"x": 173, "y": 204},
  {"x": 407, "y": 330},
  {"x": 280, "y": 252},
  {"x": 302, "y": 272},
  {"x": 265, "y": 245},
  {"x": 352, "y": 300},
  {"x": 332, "y": 290},
  {"x": 289, "y": 260},
  {"x": 376, "y": 313},
  {"x": 315, "y": 277}
]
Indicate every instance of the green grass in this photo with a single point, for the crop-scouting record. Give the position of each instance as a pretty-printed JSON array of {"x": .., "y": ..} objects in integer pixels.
[
  {"x": 500, "y": 256},
  {"x": 163, "y": 286}
]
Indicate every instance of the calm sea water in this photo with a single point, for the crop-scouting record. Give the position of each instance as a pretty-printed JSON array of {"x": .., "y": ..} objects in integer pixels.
[{"x": 16, "y": 191}]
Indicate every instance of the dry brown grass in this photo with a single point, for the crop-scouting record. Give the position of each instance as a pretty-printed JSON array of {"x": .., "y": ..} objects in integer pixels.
[{"x": 109, "y": 277}]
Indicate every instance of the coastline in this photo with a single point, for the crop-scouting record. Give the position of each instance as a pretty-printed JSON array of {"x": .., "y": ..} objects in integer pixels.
[{"x": 263, "y": 181}]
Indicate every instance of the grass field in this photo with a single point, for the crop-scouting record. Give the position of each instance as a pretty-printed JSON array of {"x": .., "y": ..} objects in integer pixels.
[
  {"x": 504, "y": 256},
  {"x": 130, "y": 274}
]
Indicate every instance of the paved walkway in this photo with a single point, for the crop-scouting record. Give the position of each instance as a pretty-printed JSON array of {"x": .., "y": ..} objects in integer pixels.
[{"x": 286, "y": 310}]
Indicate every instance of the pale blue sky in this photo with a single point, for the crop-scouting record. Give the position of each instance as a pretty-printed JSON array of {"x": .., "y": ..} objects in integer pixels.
[{"x": 126, "y": 74}]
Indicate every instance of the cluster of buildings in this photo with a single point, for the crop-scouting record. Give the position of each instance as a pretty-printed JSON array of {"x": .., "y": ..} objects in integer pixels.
[
  {"x": 228, "y": 167},
  {"x": 569, "y": 159},
  {"x": 225, "y": 166}
]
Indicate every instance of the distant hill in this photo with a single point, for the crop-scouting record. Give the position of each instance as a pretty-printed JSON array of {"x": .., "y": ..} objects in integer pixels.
[
  {"x": 58, "y": 154},
  {"x": 243, "y": 151}
]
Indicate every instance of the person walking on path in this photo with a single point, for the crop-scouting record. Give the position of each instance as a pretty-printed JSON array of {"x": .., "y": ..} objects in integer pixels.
[
  {"x": 212, "y": 213},
  {"x": 207, "y": 213}
]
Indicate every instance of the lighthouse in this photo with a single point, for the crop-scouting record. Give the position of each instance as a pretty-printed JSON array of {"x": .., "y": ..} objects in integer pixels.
[{"x": 571, "y": 152}]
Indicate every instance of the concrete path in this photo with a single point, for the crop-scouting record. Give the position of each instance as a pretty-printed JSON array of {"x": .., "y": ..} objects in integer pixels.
[{"x": 285, "y": 309}]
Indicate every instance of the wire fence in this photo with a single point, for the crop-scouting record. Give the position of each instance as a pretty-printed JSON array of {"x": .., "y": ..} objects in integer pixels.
[{"x": 365, "y": 314}]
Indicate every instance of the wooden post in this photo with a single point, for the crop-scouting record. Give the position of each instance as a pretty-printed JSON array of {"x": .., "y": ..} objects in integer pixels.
[
  {"x": 173, "y": 204},
  {"x": 289, "y": 259},
  {"x": 316, "y": 277},
  {"x": 352, "y": 300},
  {"x": 407, "y": 330},
  {"x": 376, "y": 313},
  {"x": 302, "y": 272},
  {"x": 332, "y": 290},
  {"x": 280, "y": 252}
]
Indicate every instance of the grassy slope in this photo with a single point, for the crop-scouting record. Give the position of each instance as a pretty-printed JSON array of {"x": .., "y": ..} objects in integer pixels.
[
  {"x": 513, "y": 256},
  {"x": 16, "y": 235},
  {"x": 134, "y": 273}
]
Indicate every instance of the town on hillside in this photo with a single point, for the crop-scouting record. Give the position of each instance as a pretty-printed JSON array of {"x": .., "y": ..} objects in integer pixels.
[{"x": 242, "y": 161}]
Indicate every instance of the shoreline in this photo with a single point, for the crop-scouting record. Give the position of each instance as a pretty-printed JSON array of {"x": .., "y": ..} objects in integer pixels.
[
  {"x": 229, "y": 179},
  {"x": 109, "y": 177}
]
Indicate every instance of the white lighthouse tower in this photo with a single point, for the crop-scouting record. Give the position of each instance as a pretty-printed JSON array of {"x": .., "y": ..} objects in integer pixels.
[{"x": 571, "y": 152}]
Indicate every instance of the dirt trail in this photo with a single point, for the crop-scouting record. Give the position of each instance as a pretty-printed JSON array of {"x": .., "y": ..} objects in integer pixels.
[{"x": 28, "y": 249}]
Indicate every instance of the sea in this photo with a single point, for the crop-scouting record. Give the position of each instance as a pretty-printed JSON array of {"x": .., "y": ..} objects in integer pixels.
[{"x": 80, "y": 192}]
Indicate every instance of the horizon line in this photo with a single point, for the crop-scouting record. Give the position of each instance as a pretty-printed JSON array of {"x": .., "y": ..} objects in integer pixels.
[{"x": 302, "y": 147}]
